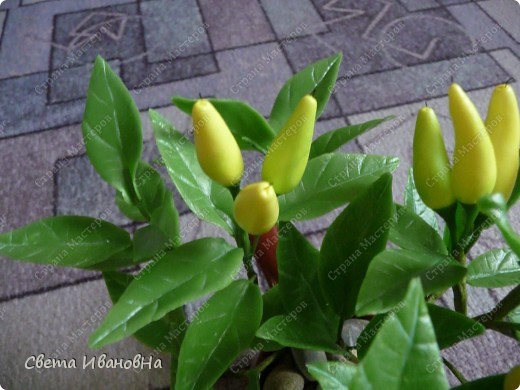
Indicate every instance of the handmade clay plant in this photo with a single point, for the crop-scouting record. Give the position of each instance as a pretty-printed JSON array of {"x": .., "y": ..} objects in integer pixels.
[{"x": 357, "y": 313}]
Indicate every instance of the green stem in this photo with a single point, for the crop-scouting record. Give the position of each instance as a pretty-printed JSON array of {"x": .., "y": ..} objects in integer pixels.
[
  {"x": 460, "y": 297},
  {"x": 455, "y": 371},
  {"x": 510, "y": 302}
]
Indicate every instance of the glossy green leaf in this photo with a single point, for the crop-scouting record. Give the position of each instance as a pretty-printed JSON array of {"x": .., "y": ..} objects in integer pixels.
[
  {"x": 409, "y": 231},
  {"x": 330, "y": 181},
  {"x": 495, "y": 207},
  {"x": 163, "y": 335},
  {"x": 207, "y": 199},
  {"x": 298, "y": 284},
  {"x": 390, "y": 273},
  {"x": 414, "y": 203},
  {"x": 272, "y": 306},
  {"x": 128, "y": 209},
  {"x": 332, "y": 375},
  {"x": 185, "y": 274},
  {"x": 496, "y": 268},
  {"x": 290, "y": 331},
  {"x": 334, "y": 139},
  {"x": 121, "y": 259},
  {"x": 220, "y": 332},
  {"x": 319, "y": 77},
  {"x": 357, "y": 235},
  {"x": 157, "y": 202},
  {"x": 112, "y": 129},
  {"x": 452, "y": 327},
  {"x": 487, "y": 383},
  {"x": 66, "y": 241},
  {"x": 514, "y": 316},
  {"x": 404, "y": 354},
  {"x": 249, "y": 127},
  {"x": 148, "y": 243},
  {"x": 368, "y": 334}
]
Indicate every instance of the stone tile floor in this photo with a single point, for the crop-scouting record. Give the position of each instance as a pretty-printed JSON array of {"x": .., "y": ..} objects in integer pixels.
[{"x": 398, "y": 54}]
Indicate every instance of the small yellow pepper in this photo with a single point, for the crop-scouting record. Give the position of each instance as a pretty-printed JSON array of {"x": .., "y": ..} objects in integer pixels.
[
  {"x": 474, "y": 170},
  {"x": 503, "y": 126},
  {"x": 256, "y": 208},
  {"x": 288, "y": 154},
  {"x": 217, "y": 150},
  {"x": 431, "y": 166},
  {"x": 512, "y": 380}
]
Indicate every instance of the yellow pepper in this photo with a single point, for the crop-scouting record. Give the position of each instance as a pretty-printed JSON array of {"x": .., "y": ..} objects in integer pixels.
[
  {"x": 503, "y": 126},
  {"x": 431, "y": 166},
  {"x": 288, "y": 154},
  {"x": 512, "y": 380},
  {"x": 217, "y": 150},
  {"x": 256, "y": 208},
  {"x": 474, "y": 166}
]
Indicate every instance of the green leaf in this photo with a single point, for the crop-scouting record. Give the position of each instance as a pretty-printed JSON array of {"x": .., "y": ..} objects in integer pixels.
[
  {"x": 407, "y": 346},
  {"x": 288, "y": 330},
  {"x": 514, "y": 316},
  {"x": 495, "y": 207},
  {"x": 452, "y": 327},
  {"x": 390, "y": 273},
  {"x": 368, "y": 334},
  {"x": 414, "y": 203},
  {"x": 249, "y": 127},
  {"x": 122, "y": 259},
  {"x": 157, "y": 202},
  {"x": 298, "y": 283},
  {"x": 185, "y": 274},
  {"x": 331, "y": 181},
  {"x": 319, "y": 77},
  {"x": 409, "y": 231},
  {"x": 487, "y": 383},
  {"x": 496, "y": 268},
  {"x": 272, "y": 306},
  {"x": 66, "y": 241},
  {"x": 332, "y": 375},
  {"x": 218, "y": 334},
  {"x": 163, "y": 335},
  {"x": 357, "y": 235},
  {"x": 148, "y": 243},
  {"x": 112, "y": 129},
  {"x": 128, "y": 209},
  {"x": 334, "y": 139},
  {"x": 207, "y": 199}
]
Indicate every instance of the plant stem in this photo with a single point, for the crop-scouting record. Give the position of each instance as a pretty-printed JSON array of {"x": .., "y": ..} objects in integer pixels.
[
  {"x": 460, "y": 297},
  {"x": 510, "y": 302},
  {"x": 454, "y": 370}
]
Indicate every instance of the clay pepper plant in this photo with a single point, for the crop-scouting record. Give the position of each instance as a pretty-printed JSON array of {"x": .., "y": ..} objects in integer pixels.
[{"x": 358, "y": 313}]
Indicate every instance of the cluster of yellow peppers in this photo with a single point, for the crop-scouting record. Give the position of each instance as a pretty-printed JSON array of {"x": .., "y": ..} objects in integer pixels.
[
  {"x": 256, "y": 207},
  {"x": 486, "y": 154}
]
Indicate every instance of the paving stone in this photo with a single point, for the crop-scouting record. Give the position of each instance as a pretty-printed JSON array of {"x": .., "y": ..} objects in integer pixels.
[
  {"x": 27, "y": 39},
  {"x": 27, "y": 161},
  {"x": 9, "y": 4},
  {"x": 2, "y": 21},
  {"x": 31, "y": 113},
  {"x": 295, "y": 18},
  {"x": 479, "y": 26},
  {"x": 489, "y": 354},
  {"x": 228, "y": 28},
  {"x": 419, "y": 82},
  {"x": 163, "y": 37},
  {"x": 111, "y": 32},
  {"x": 65, "y": 319},
  {"x": 506, "y": 13},
  {"x": 412, "y": 5}
]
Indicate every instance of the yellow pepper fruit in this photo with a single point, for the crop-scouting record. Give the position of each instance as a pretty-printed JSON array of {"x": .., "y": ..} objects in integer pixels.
[
  {"x": 431, "y": 166},
  {"x": 256, "y": 208},
  {"x": 512, "y": 380},
  {"x": 217, "y": 150},
  {"x": 474, "y": 170},
  {"x": 503, "y": 126},
  {"x": 288, "y": 154}
]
